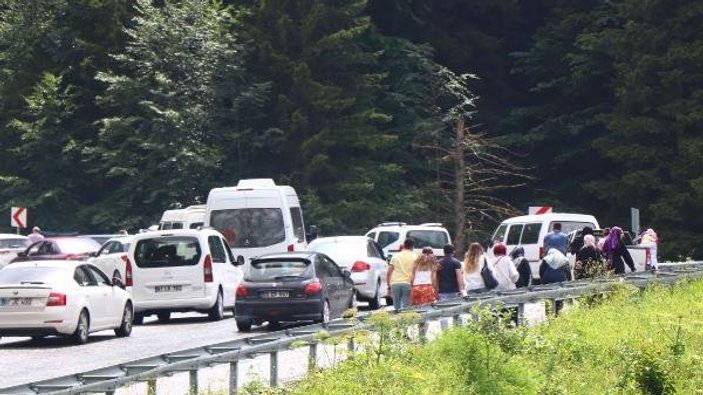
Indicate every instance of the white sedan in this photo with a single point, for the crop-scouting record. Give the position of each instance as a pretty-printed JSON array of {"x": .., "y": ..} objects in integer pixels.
[
  {"x": 363, "y": 258},
  {"x": 111, "y": 258},
  {"x": 71, "y": 298}
]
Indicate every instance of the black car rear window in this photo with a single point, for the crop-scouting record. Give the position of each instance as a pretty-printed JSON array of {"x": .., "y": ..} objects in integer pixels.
[
  {"x": 278, "y": 270},
  {"x": 167, "y": 251}
]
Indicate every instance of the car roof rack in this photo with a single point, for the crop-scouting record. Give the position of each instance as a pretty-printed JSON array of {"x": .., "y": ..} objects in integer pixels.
[
  {"x": 392, "y": 224},
  {"x": 435, "y": 224}
]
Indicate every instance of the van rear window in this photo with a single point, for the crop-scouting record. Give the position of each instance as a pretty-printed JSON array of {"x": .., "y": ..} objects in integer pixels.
[
  {"x": 428, "y": 238},
  {"x": 250, "y": 227},
  {"x": 167, "y": 251}
]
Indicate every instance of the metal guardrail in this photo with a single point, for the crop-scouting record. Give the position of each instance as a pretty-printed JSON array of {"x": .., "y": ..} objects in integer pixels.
[{"x": 107, "y": 380}]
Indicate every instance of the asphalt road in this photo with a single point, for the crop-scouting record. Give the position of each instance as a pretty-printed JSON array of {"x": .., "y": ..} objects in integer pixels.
[{"x": 24, "y": 360}]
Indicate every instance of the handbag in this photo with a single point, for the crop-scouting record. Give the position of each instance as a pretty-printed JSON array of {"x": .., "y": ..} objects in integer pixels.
[{"x": 487, "y": 275}]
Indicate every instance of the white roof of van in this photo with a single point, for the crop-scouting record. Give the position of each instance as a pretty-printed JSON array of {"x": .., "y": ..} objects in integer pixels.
[
  {"x": 256, "y": 182},
  {"x": 552, "y": 217}
]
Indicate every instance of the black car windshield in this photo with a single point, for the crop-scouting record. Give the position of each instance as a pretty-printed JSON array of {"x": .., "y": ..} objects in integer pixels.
[
  {"x": 33, "y": 275},
  {"x": 167, "y": 251},
  {"x": 278, "y": 270},
  {"x": 250, "y": 227}
]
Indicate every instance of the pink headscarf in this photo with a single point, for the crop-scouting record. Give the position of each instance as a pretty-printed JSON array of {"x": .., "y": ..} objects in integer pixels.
[
  {"x": 650, "y": 236},
  {"x": 589, "y": 240}
]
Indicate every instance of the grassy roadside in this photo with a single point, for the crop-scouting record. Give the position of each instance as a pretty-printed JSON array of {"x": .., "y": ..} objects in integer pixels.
[{"x": 631, "y": 343}]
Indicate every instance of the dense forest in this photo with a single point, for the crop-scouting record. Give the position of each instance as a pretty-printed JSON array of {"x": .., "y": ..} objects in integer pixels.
[{"x": 457, "y": 111}]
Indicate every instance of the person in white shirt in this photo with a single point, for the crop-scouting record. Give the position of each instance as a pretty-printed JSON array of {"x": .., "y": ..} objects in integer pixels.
[
  {"x": 503, "y": 269},
  {"x": 473, "y": 262},
  {"x": 35, "y": 235}
]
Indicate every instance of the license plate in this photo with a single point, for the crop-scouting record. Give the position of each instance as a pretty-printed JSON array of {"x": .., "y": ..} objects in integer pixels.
[
  {"x": 168, "y": 288},
  {"x": 275, "y": 294},
  {"x": 15, "y": 301}
]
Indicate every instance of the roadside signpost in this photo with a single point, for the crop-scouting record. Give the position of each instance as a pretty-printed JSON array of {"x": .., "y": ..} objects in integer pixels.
[{"x": 18, "y": 218}]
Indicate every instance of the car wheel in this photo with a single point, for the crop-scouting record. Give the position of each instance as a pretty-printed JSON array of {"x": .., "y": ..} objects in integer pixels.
[
  {"x": 163, "y": 316},
  {"x": 138, "y": 318},
  {"x": 325, "y": 314},
  {"x": 375, "y": 302},
  {"x": 243, "y": 325},
  {"x": 353, "y": 301},
  {"x": 217, "y": 311},
  {"x": 80, "y": 336},
  {"x": 274, "y": 325},
  {"x": 125, "y": 328}
]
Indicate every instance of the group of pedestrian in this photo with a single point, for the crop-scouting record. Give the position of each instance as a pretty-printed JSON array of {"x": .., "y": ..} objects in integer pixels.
[{"x": 421, "y": 279}]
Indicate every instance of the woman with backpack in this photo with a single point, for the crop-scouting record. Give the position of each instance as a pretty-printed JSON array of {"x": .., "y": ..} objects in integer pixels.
[
  {"x": 554, "y": 267},
  {"x": 523, "y": 267}
]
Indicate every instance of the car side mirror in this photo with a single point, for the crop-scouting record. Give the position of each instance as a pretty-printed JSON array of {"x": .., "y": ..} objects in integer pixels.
[
  {"x": 311, "y": 234},
  {"x": 116, "y": 281},
  {"x": 239, "y": 261},
  {"x": 346, "y": 273},
  {"x": 21, "y": 253}
]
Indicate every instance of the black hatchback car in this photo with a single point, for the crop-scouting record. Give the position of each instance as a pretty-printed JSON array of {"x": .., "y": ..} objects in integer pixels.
[{"x": 297, "y": 286}]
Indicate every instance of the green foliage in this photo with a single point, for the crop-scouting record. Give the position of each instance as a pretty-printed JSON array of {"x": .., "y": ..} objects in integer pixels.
[{"x": 587, "y": 350}]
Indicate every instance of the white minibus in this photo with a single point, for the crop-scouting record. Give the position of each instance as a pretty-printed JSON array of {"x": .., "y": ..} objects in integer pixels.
[
  {"x": 257, "y": 217},
  {"x": 191, "y": 217}
]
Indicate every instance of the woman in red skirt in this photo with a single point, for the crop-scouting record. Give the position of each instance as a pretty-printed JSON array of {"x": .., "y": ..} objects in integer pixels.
[{"x": 424, "y": 279}]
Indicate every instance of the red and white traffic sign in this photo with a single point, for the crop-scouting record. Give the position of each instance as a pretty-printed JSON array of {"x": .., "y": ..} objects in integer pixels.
[
  {"x": 537, "y": 210},
  {"x": 18, "y": 217}
]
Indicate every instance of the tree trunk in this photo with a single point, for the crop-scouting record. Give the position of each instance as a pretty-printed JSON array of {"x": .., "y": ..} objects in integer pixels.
[{"x": 459, "y": 208}]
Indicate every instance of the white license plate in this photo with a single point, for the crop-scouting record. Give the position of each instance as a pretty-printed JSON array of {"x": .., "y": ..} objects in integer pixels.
[
  {"x": 168, "y": 288},
  {"x": 15, "y": 301},
  {"x": 275, "y": 294}
]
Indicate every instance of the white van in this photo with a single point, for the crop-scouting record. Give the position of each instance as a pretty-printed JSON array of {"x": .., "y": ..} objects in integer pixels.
[
  {"x": 528, "y": 231},
  {"x": 257, "y": 217},
  {"x": 181, "y": 270},
  {"x": 191, "y": 217}
]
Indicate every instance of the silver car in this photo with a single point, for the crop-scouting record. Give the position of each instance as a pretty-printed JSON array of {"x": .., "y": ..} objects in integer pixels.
[{"x": 364, "y": 258}]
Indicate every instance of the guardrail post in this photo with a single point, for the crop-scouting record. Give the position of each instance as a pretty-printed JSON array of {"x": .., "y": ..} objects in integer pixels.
[
  {"x": 520, "y": 314},
  {"x": 312, "y": 357},
  {"x": 273, "y": 380},
  {"x": 193, "y": 382},
  {"x": 151, "y": 387},
  {"x": 423, "y": 331},
  {"x": 233, "y": 377},
  {"x": 457, "y": 320},
  {"x": 443, "y": 324},
  {"x": 350, "y": 344}
]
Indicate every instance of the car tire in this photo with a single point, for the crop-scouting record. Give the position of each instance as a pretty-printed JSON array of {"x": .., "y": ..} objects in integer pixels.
[
  {"x": 275, "y": 325},
  {"x": 243, "y": 325},
  {"x": 325, "y": 313},
  {"x": 163, "y": 316},
  {"x": 217, "y": 311},
  {"x": 375, "y": 302},
  {"x": 80, "y": 335},
  {"x": 125, "y": 328},
  {"x": 138, "y": 318}
]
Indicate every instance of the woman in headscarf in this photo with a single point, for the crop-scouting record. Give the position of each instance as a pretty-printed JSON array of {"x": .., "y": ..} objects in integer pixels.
[
  {"x": 576, "y": 245},
  {"x": 616, "y": 253},
  {"x": 503, "y": 269},
  {"x": 650, "y": 240},
  {"x": 523, "y": 267},
  {"x": 588, "y": 259},
  {"x": 554, "y": 267}
]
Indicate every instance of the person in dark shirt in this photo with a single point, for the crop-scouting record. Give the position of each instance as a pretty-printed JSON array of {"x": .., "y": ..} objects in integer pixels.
[
  {"x": 449, "y": 277},
  {"x": 588, "y": 259},
  {"x": 523, "y": 267}
]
